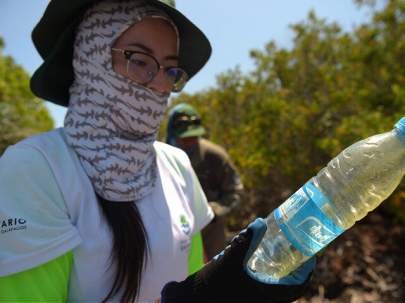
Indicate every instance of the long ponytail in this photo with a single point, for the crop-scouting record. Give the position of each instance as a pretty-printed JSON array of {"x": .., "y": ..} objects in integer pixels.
[{"x": 130, "y": 246}]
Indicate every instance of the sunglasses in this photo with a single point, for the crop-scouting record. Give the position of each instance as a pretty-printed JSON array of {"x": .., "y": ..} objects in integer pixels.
[{"x": 186, "y": 121}]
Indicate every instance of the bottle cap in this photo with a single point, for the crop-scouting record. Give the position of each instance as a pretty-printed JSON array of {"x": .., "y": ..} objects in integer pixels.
[{"x": 400, "y": 126}]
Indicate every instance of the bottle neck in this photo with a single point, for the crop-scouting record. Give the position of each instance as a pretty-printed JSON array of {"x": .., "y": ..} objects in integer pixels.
[{"x": 400, "y": 134}]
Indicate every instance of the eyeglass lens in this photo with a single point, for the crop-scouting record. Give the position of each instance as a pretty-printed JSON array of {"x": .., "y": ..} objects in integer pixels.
[
  {"x": 185, "y": 121},
  {"x": 143, "y": 68}
]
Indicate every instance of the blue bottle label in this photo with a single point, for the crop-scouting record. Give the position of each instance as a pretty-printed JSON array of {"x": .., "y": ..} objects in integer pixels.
[{"x": 304, "y": 223}]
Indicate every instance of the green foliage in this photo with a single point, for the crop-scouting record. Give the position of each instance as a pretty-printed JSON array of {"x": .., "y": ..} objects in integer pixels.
[
  {"x": 21, "y": 114},
  {"x": 300, "y": 107}
]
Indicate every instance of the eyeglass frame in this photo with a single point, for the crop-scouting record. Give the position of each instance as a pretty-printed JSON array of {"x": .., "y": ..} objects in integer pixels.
[{"x": 127, "y": 55}]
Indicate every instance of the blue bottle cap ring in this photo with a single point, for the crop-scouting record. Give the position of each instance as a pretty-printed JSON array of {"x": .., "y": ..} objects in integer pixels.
[{"x": 400, "y": 126}]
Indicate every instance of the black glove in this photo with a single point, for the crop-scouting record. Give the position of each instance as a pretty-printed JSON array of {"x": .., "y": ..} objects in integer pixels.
[{"x": 225, "y": 277}]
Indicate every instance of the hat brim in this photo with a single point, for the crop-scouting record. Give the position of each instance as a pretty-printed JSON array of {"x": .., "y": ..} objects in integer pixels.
[
  {"x": 54, "y": 36},
  {"x": 192, "y": 132}
]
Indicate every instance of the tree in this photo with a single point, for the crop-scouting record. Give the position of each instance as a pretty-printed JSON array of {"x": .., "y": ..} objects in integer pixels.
[
  {"x": 21, "y": 113},
  {"x": 300, "y": 107}
]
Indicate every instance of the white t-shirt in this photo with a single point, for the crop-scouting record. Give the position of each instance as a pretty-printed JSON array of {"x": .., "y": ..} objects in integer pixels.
[{"x": 48, "y": 207}]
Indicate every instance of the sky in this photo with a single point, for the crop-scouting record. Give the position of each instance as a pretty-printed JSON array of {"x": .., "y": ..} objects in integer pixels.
[{"x": 234, "y": 27}]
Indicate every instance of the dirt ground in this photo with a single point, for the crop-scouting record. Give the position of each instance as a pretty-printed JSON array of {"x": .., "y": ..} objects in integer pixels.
[{"x": 365, "y": 264}]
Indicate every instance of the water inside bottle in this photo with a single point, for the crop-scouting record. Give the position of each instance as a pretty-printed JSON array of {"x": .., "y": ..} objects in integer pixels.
[{"x": 352, "y": 184}]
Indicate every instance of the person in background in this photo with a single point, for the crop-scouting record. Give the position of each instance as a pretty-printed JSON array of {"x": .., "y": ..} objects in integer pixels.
[
  {"x": 98, "y": 210},
  {"x": 214, "y": 168}
]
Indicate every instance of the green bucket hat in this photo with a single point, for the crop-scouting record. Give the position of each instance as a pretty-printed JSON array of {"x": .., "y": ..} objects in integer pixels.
[
  {"x": 54, "y": 35},
  {"x": 184, "y": 121}
]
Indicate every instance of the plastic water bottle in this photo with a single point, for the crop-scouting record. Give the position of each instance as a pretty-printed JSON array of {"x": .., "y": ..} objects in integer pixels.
[{"x": 352, "y": 184}]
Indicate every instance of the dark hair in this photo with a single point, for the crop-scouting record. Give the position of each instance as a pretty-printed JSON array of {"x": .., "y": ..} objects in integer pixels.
[{"x": 130, "y": 247}]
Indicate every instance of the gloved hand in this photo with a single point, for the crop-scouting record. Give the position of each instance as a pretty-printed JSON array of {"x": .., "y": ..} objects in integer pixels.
[{"x": 225, "y": 278}]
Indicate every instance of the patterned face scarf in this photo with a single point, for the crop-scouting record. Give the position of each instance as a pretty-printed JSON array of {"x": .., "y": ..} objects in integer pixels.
[{"x": 111, "y": 121}]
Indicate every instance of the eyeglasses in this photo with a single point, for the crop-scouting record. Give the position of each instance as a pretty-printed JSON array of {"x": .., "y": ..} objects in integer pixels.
[
  {"x": 143, "y": 68},
  {"x": 183, "y": 122}
]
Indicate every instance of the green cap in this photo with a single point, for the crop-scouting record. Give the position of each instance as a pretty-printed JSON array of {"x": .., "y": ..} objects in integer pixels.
[{"x": 184, "y": 121}]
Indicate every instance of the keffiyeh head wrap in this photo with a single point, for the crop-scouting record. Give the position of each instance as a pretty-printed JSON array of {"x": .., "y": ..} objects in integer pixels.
[{"x": 111, "y": 121}]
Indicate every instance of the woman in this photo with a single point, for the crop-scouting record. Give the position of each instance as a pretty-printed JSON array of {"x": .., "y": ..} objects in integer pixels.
[{"x": 98, "y": 210}]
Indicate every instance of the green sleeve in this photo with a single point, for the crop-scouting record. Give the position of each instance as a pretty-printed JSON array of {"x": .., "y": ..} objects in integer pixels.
[
  {"x": 196, "y": 256},
  {"x": 46, "y": 283}
]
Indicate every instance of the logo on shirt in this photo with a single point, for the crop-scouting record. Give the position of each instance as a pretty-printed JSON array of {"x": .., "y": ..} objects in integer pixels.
[
  {"x": 12, "y": 224},
  {"x": 185, "y": 226},
  {"x": 186, "y": 229}
]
